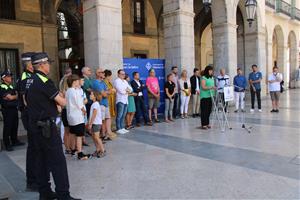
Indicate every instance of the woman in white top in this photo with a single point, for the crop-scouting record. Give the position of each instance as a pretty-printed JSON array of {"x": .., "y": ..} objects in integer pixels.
[
  {"x": 75, "y": 115},
  {"x": 95, "y": 123},
  {"x": 185, "y": 93}
]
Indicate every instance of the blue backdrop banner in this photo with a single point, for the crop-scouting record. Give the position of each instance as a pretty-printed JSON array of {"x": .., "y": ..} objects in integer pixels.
[{"x": 142, "y": 66}]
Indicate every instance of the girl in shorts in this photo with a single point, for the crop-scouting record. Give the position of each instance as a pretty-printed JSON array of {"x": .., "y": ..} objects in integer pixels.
[{"x": 95, "y": 123}]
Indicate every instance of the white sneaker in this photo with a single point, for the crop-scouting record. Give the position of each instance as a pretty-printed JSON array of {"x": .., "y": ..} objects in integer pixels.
[
  {"x": 259, "y": 110},
  {"x": 252, "y": 110},
  {"x": 121, "y": 132},
  {"x": 124, "y": 130}
]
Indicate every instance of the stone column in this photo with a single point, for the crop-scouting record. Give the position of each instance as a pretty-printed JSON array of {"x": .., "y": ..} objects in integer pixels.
[
  {"x": 269, "y": 55},
  {"x": 225, "y": 48},
  {"x": 283, "y": 68},
  {"x": 255, "y": 44},
  {"x": 261, "y": 59},
  {"x": 179, "y": 34},
  {"x": 102, "y": 20}
]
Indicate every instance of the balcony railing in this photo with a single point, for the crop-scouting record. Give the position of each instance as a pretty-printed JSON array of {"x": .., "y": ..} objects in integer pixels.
[
  {"x": 271, "y": 3},
  {"x": 296, "y": 13},
  {"x": 280, "y": 6},
  {"x": 283, "y": 7}
]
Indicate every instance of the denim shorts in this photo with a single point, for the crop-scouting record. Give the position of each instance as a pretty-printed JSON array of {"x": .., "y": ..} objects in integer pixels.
[{"x": 96, "y": 128}]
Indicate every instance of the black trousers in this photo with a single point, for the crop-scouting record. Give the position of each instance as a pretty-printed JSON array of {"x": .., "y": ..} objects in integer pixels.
[
  {"x": 176, "y": 107},
  {"x": 30, "y": 153},
  {"x": 88, "y": 108},
  {"x": 49, "y": 158},
  {"x": 257, "y": 93},
  {"x": 140, "y": 109},
  {"x": 205, "y": 106},
  {"x": 10, "y": 125}
]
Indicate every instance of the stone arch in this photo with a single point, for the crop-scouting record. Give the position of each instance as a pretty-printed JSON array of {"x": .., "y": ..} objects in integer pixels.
[
  {"x": 278, "y": 47},
  {"x": 254, "y": 38},
  {"x": 202, "y": 28},
  {"x": 292, "y": 56},
  {"x": 257, "y": 25},
  {"x": 241, "y": 35}
]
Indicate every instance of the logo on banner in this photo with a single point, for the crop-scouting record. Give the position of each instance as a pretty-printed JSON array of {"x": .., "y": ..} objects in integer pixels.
[{"x": 148, "y": 66}]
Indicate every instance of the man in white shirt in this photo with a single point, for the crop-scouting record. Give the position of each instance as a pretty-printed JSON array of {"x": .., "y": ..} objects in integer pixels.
[
  {"x": 122, "y": 88},
  {"x": 274, "y": 80},
  {"x": 222, "y": 81}
]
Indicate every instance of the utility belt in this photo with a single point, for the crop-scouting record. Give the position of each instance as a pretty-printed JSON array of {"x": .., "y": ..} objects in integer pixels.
[
  {"x": 9, "y": 107},
  {"x": 48, "y": 126}
]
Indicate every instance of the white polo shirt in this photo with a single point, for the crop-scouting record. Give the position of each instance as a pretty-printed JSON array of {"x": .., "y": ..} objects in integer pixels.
[
  {"x": 275, "y": 87},
  {"x": 121, "y": 87}
]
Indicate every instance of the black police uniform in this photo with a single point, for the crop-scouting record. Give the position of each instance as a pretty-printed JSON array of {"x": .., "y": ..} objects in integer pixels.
[
  {"x": 49, "y": 153},
  {"x": 21, "y": 86},
  {"x": 30, "y": 153},
  {"x": 10, "y": 115}
]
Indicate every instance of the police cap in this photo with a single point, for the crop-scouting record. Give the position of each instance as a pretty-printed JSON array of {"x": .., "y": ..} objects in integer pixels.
[
  {"x": 40, "y": 57},
  {"x": 6, "y": 72},
  {"x": 27, "y": 56}
]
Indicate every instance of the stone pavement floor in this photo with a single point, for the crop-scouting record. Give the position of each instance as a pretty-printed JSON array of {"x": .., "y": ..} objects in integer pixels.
[{"x": 178, "y": 161}]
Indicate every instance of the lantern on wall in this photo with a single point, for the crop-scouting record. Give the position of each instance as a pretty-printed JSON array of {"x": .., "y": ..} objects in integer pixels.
[
  {"x": 251, "y": 6},
  {"x": 207, "y": 4}
]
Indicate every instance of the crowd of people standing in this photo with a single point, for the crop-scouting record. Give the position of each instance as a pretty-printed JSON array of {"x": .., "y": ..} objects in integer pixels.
[
  {"x": 99, "y": 106},
  {"x": 124, "y": 100}
]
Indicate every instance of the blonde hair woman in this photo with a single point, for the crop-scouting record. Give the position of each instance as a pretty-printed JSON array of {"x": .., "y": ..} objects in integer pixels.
[{"x": 185, "y": 93}]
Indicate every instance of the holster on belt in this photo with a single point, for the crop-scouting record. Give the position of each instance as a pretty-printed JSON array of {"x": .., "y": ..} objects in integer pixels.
[{"x": 47, "y": 127}]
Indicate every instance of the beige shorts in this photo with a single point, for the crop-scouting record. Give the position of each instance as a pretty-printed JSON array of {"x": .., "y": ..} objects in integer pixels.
[
  {"x": 275, "y": 96},
  {"x": 153, "y": 103},
  {"x": 105, "y": 112}
]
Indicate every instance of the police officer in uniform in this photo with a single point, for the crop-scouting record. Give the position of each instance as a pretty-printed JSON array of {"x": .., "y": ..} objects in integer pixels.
[
  {"x": 30, "y": 154},
  {"x": 43, "y": 100},
  {"x": 9, "y": 103}
]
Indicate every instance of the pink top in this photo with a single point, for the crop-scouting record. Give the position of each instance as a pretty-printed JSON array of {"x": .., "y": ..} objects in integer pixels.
[{"x": 152, "y": 83}]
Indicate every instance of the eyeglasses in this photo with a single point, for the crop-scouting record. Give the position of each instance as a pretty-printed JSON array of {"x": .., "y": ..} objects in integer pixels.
[{"x": 100, "y": 72}]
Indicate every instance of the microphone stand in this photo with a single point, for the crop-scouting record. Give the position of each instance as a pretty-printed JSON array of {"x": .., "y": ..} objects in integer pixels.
[{"x": 247, "y": 128}]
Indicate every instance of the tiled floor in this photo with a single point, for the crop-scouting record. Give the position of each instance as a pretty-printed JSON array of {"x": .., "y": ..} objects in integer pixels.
[{"x": 180, "y": 161}]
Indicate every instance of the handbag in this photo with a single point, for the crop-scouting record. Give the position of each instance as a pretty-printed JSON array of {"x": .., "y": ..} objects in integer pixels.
[{"x": 281, "y": 86}]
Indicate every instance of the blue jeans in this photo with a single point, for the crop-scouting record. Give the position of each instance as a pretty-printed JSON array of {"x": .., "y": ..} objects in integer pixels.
[{"x": 121, "y": 114}]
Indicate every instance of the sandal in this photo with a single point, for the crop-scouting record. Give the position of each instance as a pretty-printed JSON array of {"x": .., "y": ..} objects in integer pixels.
[
  {"x": 68, "y": 152},
  {"x": 157, "y": 120},
  {"x": 73, "y": 152},
  {"x": 101, "y": 154},
  {"x": 82, "y": 156},
  {"x": 208, "y": 126},
  {"x": 106, "y": 139}
]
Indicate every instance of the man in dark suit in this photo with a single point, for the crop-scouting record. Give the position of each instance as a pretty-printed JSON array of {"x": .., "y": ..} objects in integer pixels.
[
  {"x": 138, "y": 88},
  {"x": 195, "y": 90}
]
